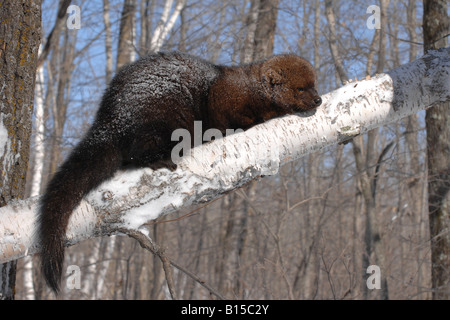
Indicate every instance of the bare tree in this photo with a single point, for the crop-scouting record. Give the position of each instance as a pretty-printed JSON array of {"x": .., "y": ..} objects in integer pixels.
[
  {"x": 166, "y": 23},
  {"x": 126, "y": 51},
  {"x": 436, "y": 26},
  {"x": 17, "y": 82},
  {"x": 265, "y": 29},
  {"x": 53, "y": 36},
  {"x": 60, "y": 105},
  {"x": 108, "y": 41}
]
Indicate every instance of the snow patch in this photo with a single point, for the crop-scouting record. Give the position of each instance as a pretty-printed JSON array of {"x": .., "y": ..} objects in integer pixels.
[
  {"x": 169, "y": 198},
  {"x": 3, "y": 136},
  {"x": 119, "y": 186},
  {"x": 5, "y": 147}
]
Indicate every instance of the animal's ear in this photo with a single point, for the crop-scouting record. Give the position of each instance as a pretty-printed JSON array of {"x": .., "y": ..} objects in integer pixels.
[{"x": 273, "y": 76}]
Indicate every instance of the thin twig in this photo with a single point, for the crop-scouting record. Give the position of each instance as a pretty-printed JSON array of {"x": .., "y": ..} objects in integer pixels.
[
  {"x": 148, "y": 244},
  {"x": 200, "y": 281}
]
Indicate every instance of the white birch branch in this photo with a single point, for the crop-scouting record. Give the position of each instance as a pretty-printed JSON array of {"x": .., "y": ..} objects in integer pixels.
[{"x": 133, "y": 198}]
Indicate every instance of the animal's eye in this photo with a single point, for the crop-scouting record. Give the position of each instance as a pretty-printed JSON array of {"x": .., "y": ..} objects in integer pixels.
[{"x": 300, "y": 89}]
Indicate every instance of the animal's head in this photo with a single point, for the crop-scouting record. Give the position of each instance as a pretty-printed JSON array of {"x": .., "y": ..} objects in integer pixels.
[{"x": 290, "y": 82}]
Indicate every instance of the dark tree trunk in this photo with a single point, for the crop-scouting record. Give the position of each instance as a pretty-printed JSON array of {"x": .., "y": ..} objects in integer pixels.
[
  {"x": 20, "y": 34},
  {"x": 436, "y": 27}
]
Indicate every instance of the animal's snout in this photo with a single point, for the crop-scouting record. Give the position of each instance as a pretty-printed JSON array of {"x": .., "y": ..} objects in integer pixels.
[{"x": 318, "y": 101}]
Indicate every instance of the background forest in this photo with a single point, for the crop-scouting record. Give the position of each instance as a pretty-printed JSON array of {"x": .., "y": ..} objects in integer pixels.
[{"x": 302, "y": 234}]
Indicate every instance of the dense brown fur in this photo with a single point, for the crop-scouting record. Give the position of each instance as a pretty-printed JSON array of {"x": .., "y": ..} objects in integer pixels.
[
  {"x": 247, "y": 95},
  {"x": 144, "y": 104}
]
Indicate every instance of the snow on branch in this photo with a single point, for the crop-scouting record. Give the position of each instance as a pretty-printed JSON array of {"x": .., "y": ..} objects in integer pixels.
[{"x": 133, "y": 198}]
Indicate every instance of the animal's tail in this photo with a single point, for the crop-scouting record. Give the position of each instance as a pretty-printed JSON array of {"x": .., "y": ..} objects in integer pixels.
[{"x": 93, "y": 161}]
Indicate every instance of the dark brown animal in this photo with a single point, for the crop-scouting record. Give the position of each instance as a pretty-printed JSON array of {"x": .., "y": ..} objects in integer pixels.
[{"x": 144, "y": 104}]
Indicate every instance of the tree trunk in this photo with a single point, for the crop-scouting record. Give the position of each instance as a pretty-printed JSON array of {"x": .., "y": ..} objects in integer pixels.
[
  {"x": 265, "y": 29},
  {"x": 35, "y": 173},
  {"x": 126, "y": 50},
  {"x": 19, "y": 42},
  {"x": 332, "y": 41},
  {"x": 436, "y": 26},
  {"x": 59, "y": 110},
  {"x": 246, "y": 53},
  {"x": 108, "y": 42}
]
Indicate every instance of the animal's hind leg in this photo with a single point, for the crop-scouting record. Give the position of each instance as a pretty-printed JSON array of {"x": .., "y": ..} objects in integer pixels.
[{"x": 150, "y": 149}]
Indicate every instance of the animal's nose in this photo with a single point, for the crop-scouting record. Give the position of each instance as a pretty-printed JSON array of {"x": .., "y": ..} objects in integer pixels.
[{"x": 318, "y": 101}]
